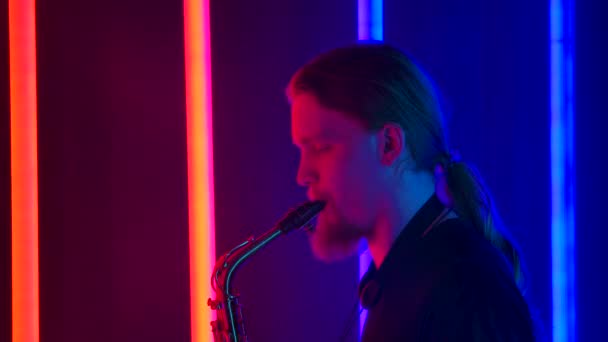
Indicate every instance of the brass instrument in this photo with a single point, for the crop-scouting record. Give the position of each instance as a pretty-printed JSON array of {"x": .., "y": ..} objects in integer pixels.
[{"x": 229, "y": 325}]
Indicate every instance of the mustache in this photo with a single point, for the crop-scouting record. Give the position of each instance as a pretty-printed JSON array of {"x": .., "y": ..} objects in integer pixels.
[{"x": 316, "y": 195}]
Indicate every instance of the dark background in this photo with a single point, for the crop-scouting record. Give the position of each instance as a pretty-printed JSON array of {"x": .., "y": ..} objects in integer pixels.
[{"x": 112, "y": 155}]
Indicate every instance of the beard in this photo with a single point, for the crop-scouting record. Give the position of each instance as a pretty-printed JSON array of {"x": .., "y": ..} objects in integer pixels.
[{"x": 333, "y": 239}]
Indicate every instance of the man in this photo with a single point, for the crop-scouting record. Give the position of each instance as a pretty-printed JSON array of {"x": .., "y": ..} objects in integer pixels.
[{"x": 373, "y": 147}]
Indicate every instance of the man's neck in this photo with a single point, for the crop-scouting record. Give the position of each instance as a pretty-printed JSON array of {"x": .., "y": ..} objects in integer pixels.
[{"x": 397, "y": 213}]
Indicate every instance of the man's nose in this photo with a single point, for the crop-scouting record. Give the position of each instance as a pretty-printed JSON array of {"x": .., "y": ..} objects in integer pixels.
[{"x": 306, "y": 174}]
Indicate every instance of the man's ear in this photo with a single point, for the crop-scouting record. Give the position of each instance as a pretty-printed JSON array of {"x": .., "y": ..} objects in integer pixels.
[{"x": 391, "y": 144}]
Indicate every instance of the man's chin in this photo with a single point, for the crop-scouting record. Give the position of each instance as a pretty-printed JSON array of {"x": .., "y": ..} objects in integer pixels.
[{"x": 334, "y": 251}]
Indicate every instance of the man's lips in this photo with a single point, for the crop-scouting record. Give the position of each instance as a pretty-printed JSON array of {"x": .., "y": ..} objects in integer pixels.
[{"x": 315, "y": 195}]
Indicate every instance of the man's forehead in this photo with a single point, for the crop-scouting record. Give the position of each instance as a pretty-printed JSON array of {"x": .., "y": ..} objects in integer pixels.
[
  {"x": 305, "y": 135},
  {"x": 311, "y": 121},
  {"x": 325, "y": 131}
]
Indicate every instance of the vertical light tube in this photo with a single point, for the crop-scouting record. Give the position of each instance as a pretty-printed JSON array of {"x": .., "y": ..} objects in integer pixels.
[
  {"x": 200, "y": 164},
  {"x": 562, "y": 170},
  {"x": 370, "y": 20},
  {"x": 24, "y": 170},
  {"x": 370, "y": 27}
]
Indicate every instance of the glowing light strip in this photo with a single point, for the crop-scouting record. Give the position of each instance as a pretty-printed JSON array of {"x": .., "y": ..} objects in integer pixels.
[
  {"x": 370, "y": 19},
  {"x": 200, "y": 164},
  {"x": 370, "y": 27},
  {"x": 24, "y": 170},
  {"x": 562, "y": 172}
]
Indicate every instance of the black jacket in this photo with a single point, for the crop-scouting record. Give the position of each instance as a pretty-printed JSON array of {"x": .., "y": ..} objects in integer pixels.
[{"x": 451, "y": 284}]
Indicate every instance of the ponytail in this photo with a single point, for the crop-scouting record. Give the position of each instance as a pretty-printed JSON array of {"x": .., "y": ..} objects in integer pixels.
[{"x": 472, "y": 201}]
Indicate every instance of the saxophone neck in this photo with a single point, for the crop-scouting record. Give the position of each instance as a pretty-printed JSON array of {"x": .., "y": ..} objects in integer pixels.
[{"x": 229, "y": 326}]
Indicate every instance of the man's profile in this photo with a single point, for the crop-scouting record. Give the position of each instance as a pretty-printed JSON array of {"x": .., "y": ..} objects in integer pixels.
[{"x": 373, "y": 147}]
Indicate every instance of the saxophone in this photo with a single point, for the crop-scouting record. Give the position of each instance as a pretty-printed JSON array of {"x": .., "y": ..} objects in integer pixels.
[{"x": 229, "y": 325}]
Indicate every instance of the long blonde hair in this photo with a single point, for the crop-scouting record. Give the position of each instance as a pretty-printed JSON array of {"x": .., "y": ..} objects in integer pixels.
[{"x": 376, "y": 83}]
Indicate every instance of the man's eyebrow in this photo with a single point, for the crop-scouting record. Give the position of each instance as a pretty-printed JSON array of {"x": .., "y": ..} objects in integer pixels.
[
  {"x": 310, "y": 139},
  {"x": 306, "y": 140},
  {"x": 325, "y": 134},
  {"x": 301, "y": 142}
]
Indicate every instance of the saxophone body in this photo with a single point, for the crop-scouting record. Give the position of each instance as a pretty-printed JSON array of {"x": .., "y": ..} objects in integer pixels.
[{"x": 229, "y": 325}]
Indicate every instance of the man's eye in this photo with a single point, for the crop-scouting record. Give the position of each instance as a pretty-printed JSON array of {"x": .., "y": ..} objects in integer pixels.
[{"x": 320, "y": 147}]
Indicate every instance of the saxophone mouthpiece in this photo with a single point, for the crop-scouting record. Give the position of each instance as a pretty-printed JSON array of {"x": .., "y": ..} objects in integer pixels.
[{"x": 301, "y": 216}]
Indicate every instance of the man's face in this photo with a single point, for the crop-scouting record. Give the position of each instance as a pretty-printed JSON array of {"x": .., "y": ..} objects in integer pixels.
[{"x": 339, "y": 164}]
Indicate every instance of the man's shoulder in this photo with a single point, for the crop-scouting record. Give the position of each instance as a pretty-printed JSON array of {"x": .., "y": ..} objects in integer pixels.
[
  {"x": 468, "y": 265},
  {"x": 472, "y": 302},
  {"x": 474, "y": 281},
  {"x": 457, "y": 241}
]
